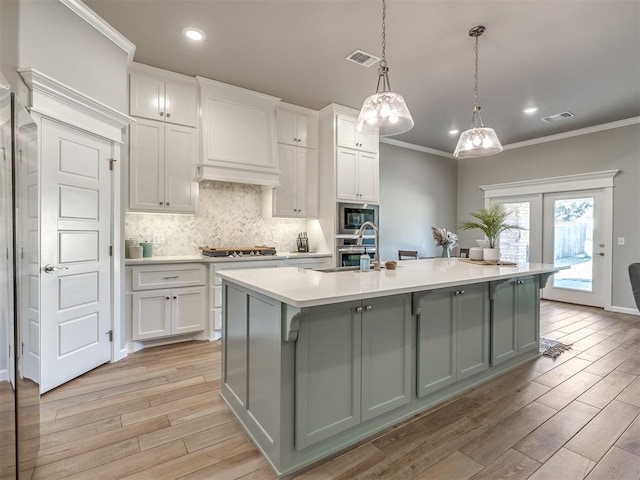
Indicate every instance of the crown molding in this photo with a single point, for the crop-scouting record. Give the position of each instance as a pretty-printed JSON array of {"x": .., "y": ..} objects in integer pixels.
[
  {"x": 574, "y": 133},
  {"x": 97, "y": 22},
  {"x": 418, "y": 148},
  {"x": 526, "y": 143}
]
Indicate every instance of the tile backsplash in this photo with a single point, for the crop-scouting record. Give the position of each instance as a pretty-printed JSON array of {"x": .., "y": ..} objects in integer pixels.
[{"x": 229, "y": 214}]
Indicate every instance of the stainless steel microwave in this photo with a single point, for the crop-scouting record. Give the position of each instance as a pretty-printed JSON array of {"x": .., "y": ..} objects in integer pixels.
[{"x": 352, "y": 215}]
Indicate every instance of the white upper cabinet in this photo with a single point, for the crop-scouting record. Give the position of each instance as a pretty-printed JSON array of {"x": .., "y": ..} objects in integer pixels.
[
  {"x": 162, "y": 168},
  {"x": 238, "y": 134},
  {"x": 297, "y": 128},
  {"x": 297, "y": 194},
  {"x": 356, "y": 176},
  {"x": 163, "y": 99},
  {"x": 349, "y": 136}
]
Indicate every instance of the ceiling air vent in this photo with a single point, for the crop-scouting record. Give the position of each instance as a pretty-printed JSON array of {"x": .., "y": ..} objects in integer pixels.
[
  {"x": 557, "y": 116},
  {"x": 362, "y": 58}
]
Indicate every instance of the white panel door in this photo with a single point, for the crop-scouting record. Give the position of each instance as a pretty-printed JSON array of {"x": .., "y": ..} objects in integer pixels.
[
  {"x": 28, "y": 238},
  {"x": 147, "y": 96},
  {"x": 76, "y": 233},
  {"x": 181, "y": 103}
]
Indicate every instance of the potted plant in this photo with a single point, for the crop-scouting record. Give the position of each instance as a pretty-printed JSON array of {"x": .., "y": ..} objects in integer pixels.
[{"x": 492, "y": 222}]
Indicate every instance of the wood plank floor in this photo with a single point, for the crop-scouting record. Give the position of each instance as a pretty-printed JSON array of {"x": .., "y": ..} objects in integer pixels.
[{"x": 157, "y": 415}]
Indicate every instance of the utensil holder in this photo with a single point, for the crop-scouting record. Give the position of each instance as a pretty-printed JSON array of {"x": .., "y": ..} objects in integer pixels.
[{"x": 303, "y": 245}]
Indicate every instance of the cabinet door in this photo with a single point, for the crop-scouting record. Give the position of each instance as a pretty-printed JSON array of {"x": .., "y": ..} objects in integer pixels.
[
  {"x": 307, "y": 131},
  {"x": 180, "y": 189},
  {"x": 308, "y": 180},
  {"x": 368, "y": 177},
  {"x": 347, "y": 175},
  {"x": 527, "y": 313},
  {"x": 151, "y": 314},
  {"x": 436, "y": 342},
  {"x": 503, "y": 323},
  {"x": 188, "y": 313},
  {"x": 346, "y": 135},
  {"x": 368, "y": 140},
  {"x": 146, "y": 166},
  {"x": 285, "y": 195},
  {"x": 181, "y": 103},
  {"x": 472, "y": 312},
  {"x": 287, "y": 125},
  {"x": 146, "y": 96},
  {"x": 327, "y": 373},
  {"x": 386, "y": 355}
]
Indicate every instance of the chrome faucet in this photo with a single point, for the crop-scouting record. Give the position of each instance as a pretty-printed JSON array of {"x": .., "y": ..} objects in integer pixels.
[{"x": 376, "y": 257}]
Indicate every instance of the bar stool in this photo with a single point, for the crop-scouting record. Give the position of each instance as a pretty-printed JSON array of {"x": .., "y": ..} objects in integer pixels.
[{"x": 409, "y": 254}]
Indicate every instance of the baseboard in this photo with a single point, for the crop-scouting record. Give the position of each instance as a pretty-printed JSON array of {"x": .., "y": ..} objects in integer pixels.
[
  {"x": 120, "y": 354},
  {"x": 628, "y": 311}
]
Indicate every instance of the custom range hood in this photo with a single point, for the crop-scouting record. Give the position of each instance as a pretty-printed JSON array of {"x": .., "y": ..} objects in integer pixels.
[{"x": 238, "y": 135}]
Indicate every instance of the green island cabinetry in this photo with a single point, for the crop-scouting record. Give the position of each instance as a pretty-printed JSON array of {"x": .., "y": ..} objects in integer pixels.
[{"x": 315, "y": 362}]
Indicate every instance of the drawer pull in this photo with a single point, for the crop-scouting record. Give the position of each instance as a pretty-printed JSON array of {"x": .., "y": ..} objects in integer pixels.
[
  {"x": 169, "y": 278},
  {"x": 358, "y": 309},
  {"x": 167, "y": 298},
  {"x": 368, "y": 307}
]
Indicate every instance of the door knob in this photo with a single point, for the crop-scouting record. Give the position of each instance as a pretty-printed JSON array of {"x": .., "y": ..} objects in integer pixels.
[{"x": 53, "y": 268}]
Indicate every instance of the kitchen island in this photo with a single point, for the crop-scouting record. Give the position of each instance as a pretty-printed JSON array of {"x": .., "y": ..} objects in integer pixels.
[{"x": 316, "y": 361}]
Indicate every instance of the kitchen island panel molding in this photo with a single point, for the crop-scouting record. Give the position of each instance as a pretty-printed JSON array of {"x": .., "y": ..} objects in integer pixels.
[{"x": 324, "y": 390}]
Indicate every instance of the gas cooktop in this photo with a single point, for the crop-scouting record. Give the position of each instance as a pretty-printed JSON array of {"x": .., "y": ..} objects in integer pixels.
[{"x": 238, "y": 251}]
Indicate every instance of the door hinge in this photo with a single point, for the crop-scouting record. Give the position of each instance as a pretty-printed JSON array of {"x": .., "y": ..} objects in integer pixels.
[
  {"x": 110, "y": 333},
  {"x": 112, "y": 163},
  {"x": 111, "y": 250},
  {"x": 22, "y": 348}
]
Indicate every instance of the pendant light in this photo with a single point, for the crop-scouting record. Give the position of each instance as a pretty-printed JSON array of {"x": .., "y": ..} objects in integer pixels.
[
  {"x": 385, "y": 110},
  {"x": 478, "y": 141}
]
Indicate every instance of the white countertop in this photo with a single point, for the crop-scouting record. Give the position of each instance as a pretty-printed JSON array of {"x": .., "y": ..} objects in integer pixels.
[
  {"x": 203, "y": 259},
  {"x": 307, "y": 288}
]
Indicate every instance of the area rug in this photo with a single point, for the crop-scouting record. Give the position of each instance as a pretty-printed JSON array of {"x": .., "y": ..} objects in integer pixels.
[{"x": 553, "y": 348}]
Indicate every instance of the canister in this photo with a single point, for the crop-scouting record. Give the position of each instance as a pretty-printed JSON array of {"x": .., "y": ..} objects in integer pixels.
[
  {"x": 147, "y": 249},
  {"x": 135, "y": 251},
  {"x": 129, "y": 243}
]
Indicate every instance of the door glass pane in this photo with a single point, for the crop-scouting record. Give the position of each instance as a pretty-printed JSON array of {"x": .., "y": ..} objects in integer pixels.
[
  {"x": 514, "y": 244},
  {"x": 573, "y": 243}
]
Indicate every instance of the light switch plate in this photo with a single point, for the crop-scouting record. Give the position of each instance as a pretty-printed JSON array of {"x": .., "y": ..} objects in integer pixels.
[{"x": 620, "y": 240}]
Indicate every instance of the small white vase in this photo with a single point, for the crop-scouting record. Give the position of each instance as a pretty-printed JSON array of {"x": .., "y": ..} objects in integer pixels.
[{"x": 491, "y": 255}]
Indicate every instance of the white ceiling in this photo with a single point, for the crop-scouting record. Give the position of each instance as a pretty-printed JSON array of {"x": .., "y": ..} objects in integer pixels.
[{"x": 576, "y": 55}]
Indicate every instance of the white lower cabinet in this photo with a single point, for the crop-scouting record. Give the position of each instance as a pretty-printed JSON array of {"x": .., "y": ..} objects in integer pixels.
[
  {"x": 353, "y": 363},
  {"x": 167, "y": 300},
  {"x": 158, "y": 313}
]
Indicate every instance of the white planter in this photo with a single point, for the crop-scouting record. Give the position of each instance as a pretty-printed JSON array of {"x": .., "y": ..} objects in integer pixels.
[{"x": 491, "y": 255}]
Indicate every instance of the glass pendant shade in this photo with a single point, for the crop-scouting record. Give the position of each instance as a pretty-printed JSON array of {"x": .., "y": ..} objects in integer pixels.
[
  {"x": 478, "y": 141},
  {"x": 385, "y": 110}
]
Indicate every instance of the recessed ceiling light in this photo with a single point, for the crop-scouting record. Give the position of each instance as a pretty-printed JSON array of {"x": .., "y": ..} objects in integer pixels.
[
  {"x": 194, "y": 34},
  {"x": 530, "y": 110},
  {"x": 454, "y": 132}
]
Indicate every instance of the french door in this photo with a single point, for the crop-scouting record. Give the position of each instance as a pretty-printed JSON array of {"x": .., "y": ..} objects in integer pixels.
[
  {"x": 574, "y": 236},
  {"x": 567, "y": 229}
]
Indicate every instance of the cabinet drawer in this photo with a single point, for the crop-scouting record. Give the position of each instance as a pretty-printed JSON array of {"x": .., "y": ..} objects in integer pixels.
[{"x": 162, "y": 276}]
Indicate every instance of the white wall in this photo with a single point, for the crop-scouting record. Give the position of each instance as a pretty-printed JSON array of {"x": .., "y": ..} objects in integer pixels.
[
  {"x": 58, "y": 43},
  {"x": 9, "y": 41},
  {"x": 417, "y": 192},
  {"x": 607, "y": 150}
]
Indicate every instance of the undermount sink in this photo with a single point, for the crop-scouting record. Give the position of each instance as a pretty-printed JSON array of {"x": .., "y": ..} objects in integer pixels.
[{"x": 338, "y": 269}]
